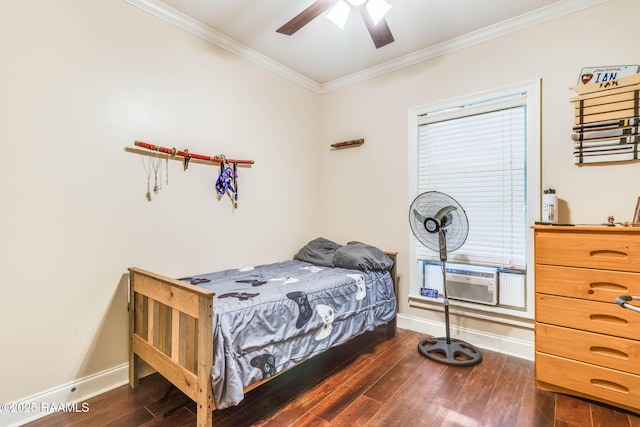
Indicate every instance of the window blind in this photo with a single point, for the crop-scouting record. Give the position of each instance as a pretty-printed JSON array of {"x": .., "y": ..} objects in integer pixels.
[{"x": 476, "y": 154}]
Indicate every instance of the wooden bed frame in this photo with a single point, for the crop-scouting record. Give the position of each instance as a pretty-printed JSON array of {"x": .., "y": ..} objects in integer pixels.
[{"x": 171, "y": 329}]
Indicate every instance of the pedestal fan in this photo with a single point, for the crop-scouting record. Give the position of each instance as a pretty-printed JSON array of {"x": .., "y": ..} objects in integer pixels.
[{"x": 440, "y": 224}]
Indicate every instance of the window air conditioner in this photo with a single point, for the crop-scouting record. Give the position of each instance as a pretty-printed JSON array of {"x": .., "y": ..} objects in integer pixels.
[{"x": 472, "y": 283}]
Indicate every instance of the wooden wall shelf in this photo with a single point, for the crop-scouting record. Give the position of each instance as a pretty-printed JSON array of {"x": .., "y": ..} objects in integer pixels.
[{"x": 345, "y": 144}]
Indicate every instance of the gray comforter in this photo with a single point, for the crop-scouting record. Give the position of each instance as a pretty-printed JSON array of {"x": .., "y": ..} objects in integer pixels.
[{"x": 268, "y": 318}]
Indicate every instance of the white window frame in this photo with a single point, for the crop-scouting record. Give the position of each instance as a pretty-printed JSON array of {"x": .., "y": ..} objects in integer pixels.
[{"x": 532, "y": 90}]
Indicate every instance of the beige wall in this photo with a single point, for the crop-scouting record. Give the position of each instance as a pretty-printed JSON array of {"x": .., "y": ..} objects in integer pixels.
[
  {"x": 369, "y": 184},
  {"x": 79, "y": 82}
]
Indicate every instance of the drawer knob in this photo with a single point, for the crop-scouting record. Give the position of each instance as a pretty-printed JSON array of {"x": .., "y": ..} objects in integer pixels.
[
  {"x": 608, "y": 318},
  {"x": 608, "y": 286},
  {"x": 608, "y": 351},
  {"x": 609, "y": 385},
  {"x": 609, "y": 253}
]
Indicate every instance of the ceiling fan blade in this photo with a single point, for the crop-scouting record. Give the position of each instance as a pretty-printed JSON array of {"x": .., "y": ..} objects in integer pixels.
[
  {"x": 380, "y": 33},
  {"x": 303, "y": 18}
]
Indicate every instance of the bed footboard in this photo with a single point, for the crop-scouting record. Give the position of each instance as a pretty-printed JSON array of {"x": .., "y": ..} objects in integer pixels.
[{"x": 171, "y": 330}]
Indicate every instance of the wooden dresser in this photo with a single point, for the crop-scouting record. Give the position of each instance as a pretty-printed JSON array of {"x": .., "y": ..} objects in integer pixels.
[{"x": 585, "y": 344}]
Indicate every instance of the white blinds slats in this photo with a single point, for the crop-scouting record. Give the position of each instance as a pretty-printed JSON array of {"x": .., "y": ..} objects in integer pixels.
[{"x": 479, "y": 160}]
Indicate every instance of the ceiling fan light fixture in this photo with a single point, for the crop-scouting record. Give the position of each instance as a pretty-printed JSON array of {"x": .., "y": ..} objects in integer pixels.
[
  {"x": 377, "y": 9},
  {"x": 339, "y": 14}
]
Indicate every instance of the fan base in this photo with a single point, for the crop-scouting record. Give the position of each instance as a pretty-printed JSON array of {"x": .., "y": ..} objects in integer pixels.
[{"x": 449, "y": 351}]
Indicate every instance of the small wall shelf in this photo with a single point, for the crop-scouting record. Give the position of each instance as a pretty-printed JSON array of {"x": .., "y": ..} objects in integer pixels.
[{"x": 346, "y": 144}]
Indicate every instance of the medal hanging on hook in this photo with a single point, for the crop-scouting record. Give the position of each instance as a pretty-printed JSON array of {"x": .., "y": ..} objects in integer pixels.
[
  {"x": 153, "y": 165},
  {"x": 148, "y": 168},
  {"x": 166, "y": 169},
  {"x": 157, "y": 169}
]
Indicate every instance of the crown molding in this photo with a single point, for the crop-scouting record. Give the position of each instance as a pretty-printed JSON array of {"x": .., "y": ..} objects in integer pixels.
[
  {"x": 556, "y": 10},
  {"x": 197, "y": 28}
]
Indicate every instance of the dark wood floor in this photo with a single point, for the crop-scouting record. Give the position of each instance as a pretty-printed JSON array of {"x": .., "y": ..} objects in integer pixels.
[{"x": 374, "y": 381}]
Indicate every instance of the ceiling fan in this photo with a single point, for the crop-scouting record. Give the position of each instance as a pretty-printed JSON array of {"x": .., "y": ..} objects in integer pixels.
[{"x": 372, "y": 11}]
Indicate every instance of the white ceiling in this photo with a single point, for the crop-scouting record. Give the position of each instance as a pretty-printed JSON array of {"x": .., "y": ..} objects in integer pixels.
[{"x": 322, "y": 57}]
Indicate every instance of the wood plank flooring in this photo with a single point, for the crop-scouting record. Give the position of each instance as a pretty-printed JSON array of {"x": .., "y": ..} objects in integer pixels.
[{"x": 374, "y": 381}]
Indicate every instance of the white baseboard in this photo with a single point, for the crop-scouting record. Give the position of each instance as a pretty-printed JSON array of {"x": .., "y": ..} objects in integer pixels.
[
  {"x": 69, "y": 397},
  {"x": 501, "y": 344}
]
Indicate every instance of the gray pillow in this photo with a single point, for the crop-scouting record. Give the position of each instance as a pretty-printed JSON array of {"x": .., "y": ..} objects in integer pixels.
[
  {"x": 360, "y": 256},
  {"x": 319, "y": 251}
]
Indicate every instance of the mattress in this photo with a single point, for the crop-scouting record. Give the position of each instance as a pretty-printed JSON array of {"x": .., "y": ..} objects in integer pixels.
[{"x": 271, "y": 317}]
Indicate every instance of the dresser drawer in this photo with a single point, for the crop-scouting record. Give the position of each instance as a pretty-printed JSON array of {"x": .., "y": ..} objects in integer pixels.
[
  {"x": 597, "y": 285},
  {"x": 615, "y": 387},
  {"x": 594, "y": 316},
  {"x": 604, "y": 350},
  {"x": 602, "y": 250}
]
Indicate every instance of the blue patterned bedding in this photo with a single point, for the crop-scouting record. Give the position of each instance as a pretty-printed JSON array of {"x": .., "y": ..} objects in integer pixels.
[{"x": 270, "y": 317}]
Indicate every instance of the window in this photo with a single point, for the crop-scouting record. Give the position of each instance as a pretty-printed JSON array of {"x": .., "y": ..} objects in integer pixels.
[
  {"x": 476, "y": 154},
  {"x": 482, "y": 150}
]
